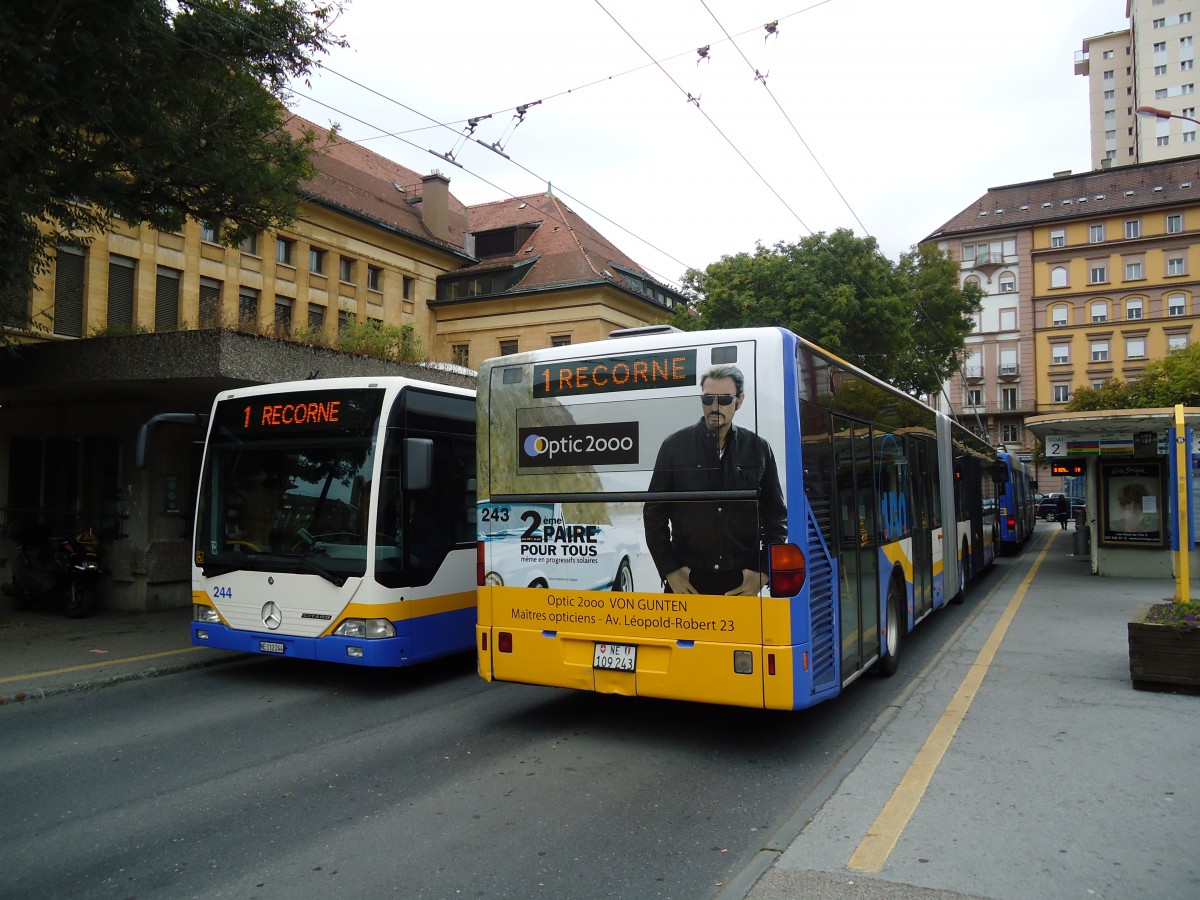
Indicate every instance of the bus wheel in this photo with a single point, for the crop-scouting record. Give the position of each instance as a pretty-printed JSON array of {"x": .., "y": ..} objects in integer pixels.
[
  {"x": 889, "y": 661},
  {"x": 623, "y": 583},
  {"x": 964, "y": 574}
]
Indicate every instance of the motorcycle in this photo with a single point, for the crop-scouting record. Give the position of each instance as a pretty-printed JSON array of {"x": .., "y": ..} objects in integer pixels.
[{"x": 60, "y": 569}]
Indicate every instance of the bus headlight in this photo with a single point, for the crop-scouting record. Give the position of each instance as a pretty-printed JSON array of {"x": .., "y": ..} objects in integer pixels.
[
  {"x": 204, "y": 613},
  {"x": 493, "y": 579},
  {"x": 366, "y": 628}
]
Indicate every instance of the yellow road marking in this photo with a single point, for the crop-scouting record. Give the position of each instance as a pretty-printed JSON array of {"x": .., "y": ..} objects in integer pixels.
[
  {"x": 97, "y": 665},
  {"x": 881, "y": 838}
]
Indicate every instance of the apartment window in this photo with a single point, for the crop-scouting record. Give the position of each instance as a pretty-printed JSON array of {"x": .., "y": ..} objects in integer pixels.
[
  {"x": 1058, "y": 315},
  {"x": 284, "y": 251},
  {"x": 210, "y": 303},
  {"x": 1159, "y": 94},
  {"x": 1058, "y": 277},
  {"x": 1008, "y": 399},
  {"x": 121, "y": 282},
  {"x": 1108, "y": 74},
  {"x": 560, "y": 340},
  {"x": 374, "y": 278},
  {"x": 1189, "y": 137},
  {"x": 210, "y": 232},
  {"x": 1184, "y": 17},
  {"x": 166, "y": 299},
  {"x": 1100, "y": 311},
  {"x": 1174, "y": 224},
  {"x": 1186, "y": 41},
  {"x": 345, "y": 320},
  {"x": 1175, "y": 266},
  {"x": 1133, "y": 228},
  {"x": 1176, "y": 342},
  {"x": 1159, "y": 23},
  {"x": 1062, "y": 393},
  {"x": 1008, "y": 319},
  {"x": 1133, "y": 271},
  {"x": 1060, "y": 354},
  {"x": 1176, "y": 305},
  {"x": 249, "y": 245},
  {"x": 1110, "y": 135},
  {"x": 247, "y": 307},
  {"x": 1010, "y": 434},
  {"x": 283, "y": 315},
  {"x": 316, "y": 317},
  {"x": 346, "y": 270},
  {"x": 69, "y": 268},
  {"x": 974, "y": 365},
  {"x": 1163, "y": 140},
  {"x": 1185, "y": 65},
  {"x": 1096, "y": 233},
  {"x": 1133, "y": 309},
  {"x": 1107, "y": 54},
  {"x": 1008, "y": 362},
  {"x": 1135, "y": 348},
  {"x": 507, "y": 348},
  {"x": 1008, "y": 283},
  {"x": 460, "y": 355},
  {"x": 974, "y": 397},
  {"x": 1160, "y": 47},
  {"x": 1099, "y": 351},
  {"x": 1097, "y": 274},
  {"x": 1187, "y": 89},
  {"x": 1058, "y": 238},
  {"x": 1190, "y": 112},
  {"x": 1160, "y": 70},
  {"x": 408, "y": 287},
  {"x": 316, "y": 260},
  {"x": 1110, "y": 95}
]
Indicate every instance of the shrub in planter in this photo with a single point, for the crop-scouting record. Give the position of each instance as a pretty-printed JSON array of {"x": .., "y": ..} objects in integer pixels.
[{"x": 1164, "y": 647}]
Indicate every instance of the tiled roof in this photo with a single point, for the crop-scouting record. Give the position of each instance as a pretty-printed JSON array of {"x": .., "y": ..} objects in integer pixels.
[
  {"x": 361, "y": 181},
  {"x": 1101, "y": 192},
  {"x": 566, "y": 248}
]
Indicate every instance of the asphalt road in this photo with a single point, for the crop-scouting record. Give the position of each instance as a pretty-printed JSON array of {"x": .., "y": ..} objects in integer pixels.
[{"x": 276, "y": 778}]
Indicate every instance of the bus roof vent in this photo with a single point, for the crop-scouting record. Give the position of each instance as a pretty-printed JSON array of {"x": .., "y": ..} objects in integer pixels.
[{"x": 644, "y": 329}]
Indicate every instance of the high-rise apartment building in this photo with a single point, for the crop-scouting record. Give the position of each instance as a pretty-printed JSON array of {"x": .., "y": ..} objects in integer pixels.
[{"x": 1151, "y": 63}]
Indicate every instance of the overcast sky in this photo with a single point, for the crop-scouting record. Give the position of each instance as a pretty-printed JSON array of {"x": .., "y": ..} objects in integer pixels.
[{"x": 882, "y": 116}]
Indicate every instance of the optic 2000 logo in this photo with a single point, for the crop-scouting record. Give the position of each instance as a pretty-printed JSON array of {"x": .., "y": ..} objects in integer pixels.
[{"x": 610, "y": 443}]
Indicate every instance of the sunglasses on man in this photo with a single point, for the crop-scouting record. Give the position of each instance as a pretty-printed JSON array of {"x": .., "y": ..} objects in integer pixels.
[{"x": 722, "y": 399}]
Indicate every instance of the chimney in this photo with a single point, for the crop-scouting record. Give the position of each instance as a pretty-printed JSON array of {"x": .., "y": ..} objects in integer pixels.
[{"x": 435, "y": 204}]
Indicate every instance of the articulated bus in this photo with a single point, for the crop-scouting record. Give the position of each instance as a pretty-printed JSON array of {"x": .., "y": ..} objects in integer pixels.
[
  {"x": 1018, "y": 514},
  {"x": 335, "y": 520},
  {"x": 733, "y": 517}
]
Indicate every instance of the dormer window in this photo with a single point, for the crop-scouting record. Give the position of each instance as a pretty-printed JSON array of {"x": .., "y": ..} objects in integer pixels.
[{"x": 503, "y": 241}]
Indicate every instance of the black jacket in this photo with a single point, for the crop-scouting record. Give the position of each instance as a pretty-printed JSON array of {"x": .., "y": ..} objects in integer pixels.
[{"x": 714, "y": 535}]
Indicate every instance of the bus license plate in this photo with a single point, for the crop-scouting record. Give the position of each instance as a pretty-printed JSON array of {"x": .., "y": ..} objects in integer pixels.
[
  {"x": 622, "y": 657},
  {"x": 271, "y": 647}
]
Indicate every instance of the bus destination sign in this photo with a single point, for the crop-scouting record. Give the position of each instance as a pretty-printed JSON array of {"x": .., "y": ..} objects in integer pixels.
[
  {"x": 668, "y": 368},
  {"x": 318, "y": 411}
]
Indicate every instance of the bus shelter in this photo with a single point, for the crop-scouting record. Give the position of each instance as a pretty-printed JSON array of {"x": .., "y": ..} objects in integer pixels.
[{"x": 1140, "y": 477}]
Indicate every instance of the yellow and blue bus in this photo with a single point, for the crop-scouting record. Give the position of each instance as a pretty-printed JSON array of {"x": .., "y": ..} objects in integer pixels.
[
  {"x": 733, "y": 517},
  {"x": 335, "y": 521},
  {"x": 1017, "y": 504}
]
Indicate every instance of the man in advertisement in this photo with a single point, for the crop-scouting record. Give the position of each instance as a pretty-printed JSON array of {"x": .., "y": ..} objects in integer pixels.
[{"x": 715, "y": 547}]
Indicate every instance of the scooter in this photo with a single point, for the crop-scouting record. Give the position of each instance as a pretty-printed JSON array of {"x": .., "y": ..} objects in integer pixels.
[{"x": 60, "y": 569}]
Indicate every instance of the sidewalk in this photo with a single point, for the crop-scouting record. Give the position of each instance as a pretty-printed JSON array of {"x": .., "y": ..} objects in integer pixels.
[
  {"x": 1051, "y": 778},
  {"x": 42, "y": 652}
]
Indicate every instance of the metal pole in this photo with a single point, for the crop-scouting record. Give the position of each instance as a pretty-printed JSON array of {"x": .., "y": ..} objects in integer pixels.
[{"x": 1182, "y": 472}]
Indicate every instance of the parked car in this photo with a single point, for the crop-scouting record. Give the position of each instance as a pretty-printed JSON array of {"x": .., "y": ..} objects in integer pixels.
[{"x": 1047, "y": 507}]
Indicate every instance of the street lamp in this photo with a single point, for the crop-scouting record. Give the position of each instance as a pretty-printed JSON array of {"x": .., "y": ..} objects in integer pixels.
[{"x": 1163, "y": 114}]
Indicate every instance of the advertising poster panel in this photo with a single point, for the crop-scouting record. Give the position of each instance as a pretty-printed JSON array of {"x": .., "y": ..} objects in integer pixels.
[{"x": 1132, "y": 506}]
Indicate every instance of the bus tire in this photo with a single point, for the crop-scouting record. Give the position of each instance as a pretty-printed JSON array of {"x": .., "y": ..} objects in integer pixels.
[
  {"x": 964, "y": 574},
  {"x": 889, "y": 659},
  {"x": 623, "y": 582}
]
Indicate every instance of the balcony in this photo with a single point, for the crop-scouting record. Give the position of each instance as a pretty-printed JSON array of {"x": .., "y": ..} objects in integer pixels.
[
  {"x": 986, "y": 262},
  {"x": 974, "y": 373},
  {"x": 1010, "y": 372}
]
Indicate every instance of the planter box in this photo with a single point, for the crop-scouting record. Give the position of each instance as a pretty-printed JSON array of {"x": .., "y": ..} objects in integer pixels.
[{"x": 1162, "y": 657}]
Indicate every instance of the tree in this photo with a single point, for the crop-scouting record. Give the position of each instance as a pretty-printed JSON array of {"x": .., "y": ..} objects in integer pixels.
[
  {"x": 1175, "y": 379},
  {"x": 905, "y": 323},
  {"x": 148, "y": 111}
]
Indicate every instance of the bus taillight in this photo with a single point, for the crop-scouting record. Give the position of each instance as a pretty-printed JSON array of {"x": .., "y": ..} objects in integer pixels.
[
  {"x": 1012, "y": 523},
  {"x": 787, "y": 570}
]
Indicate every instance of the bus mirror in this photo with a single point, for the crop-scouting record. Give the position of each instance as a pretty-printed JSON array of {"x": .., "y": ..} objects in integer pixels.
[
  {"x": 418, "y": 464},
  {"x": 999, "y": 473}
]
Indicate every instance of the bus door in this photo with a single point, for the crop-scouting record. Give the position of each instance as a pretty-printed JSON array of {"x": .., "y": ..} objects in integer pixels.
[
  {"x": 858, "y": 544},
  {"x": 924, "y": 514}
]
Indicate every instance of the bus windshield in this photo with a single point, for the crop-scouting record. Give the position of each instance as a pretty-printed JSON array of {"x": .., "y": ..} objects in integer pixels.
[{"x": 293, "y": 498}]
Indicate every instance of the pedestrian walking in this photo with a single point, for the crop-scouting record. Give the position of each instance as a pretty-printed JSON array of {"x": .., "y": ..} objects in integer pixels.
[{"x": 1062, "y": 508}]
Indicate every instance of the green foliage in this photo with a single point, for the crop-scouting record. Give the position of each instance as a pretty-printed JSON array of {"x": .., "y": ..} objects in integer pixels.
[
  {"x": 376, "y": 339},
  {"x": 149, "y": 111},
  {"x": 905, "y": 323},
  {"x": 1165, "y": 382}
]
